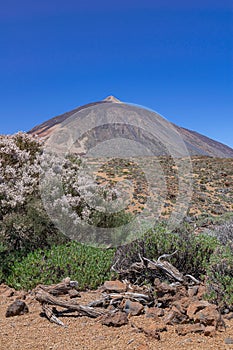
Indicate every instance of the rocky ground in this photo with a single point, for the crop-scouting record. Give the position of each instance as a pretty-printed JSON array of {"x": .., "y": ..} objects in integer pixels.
[{"x": 33, "y": 331}]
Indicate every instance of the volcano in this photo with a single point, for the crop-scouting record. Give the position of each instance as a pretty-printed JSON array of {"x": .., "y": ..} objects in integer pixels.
[{"x": 196, "y": 143}]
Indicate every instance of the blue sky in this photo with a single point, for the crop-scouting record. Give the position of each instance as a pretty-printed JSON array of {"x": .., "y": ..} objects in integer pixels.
[{"x": 175, "y": 57}]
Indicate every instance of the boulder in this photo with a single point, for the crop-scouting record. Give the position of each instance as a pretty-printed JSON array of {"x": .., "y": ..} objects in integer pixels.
[
  {"x": 174, "y": 316},
  {"x": 18, "y": 307},
  {"x": 209, "y": 316},
  {"x": 133, "y": 308},
  {"x": 154, "y": 331}
]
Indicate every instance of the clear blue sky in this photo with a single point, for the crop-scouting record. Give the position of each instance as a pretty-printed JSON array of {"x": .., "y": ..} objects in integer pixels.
[{"x": 175, "y": 57}]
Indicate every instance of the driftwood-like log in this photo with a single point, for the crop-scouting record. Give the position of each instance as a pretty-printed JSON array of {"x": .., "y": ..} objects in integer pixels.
[
  {"x": 167, "y": 268},
  {"x": 59, "y": 289},
  {"x": 133, "y": 296},
  {"x": 159, "y": 265},
  {"x": 45, "y": 298},
  {"x": 116, "y": 298},
  {"x": 50, "y": 316}
]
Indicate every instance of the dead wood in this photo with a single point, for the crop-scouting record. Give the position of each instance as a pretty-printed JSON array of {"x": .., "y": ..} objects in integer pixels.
[
  {"x": 45, "y": 298},
  {"x": 50, "y": 315},
  {"x": 167, "y": 268},
  {"x": 157, "y": 266},
  {"x": 59, "y": 289}
]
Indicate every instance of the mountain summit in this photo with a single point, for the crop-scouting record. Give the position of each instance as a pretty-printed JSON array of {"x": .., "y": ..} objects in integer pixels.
[
  {"x": 197, "y": 144},
  {"x": 111, "y": 99}
]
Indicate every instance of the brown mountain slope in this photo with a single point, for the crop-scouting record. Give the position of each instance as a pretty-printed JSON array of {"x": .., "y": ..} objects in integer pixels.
[{"x": 196, "y": 143}]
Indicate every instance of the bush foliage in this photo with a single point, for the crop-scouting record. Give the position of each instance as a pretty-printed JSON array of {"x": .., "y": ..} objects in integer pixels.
[{"x": 87, "y": 265}]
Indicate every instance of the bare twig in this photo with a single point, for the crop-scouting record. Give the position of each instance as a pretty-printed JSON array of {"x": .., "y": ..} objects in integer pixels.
[
  {"x": 166, "y": 256},
  {"x": 193, "y": 279}
]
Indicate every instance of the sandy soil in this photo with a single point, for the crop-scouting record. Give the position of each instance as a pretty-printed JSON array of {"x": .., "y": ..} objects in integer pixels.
[{"x": 34, "y": 332}]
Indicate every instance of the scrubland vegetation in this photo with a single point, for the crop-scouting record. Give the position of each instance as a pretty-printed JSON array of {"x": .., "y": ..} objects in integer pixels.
[{"x": 33, "y": 250}]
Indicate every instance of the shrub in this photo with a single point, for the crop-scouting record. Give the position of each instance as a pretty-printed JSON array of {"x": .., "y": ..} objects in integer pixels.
[
  {"x": 89, "y": 266},
  {"x": 193, "y": 251},
  {"x": 220, "y": 277},
  {"x": 29, "y": 229},
  {"x": 224, "y": 232}
]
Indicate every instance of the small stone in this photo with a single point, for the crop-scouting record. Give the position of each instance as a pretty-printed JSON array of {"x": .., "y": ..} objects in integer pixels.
[
  {"x": 178, "y": 307},
  {"x": 184, "y": 303},
  {"x": 21, "y": 295},
  {"x": 154, "y": 331},
  {"x": 9, "y": 293},
  {"x": 154, "y": 312},
  {"x": 174, "y": 316},
  {"x": 116, "y": 319},
  {"x": 229, "y": 316},
  {"x": 209, "y": 316},
  {"x": 143, "y": 347},
  {"x": 133, "y": 308},
  {"x": 115, "y": 286},
  {"x": 163, "y": 288},
  {"x": 18, "y": 307},
  {"x": 151, "y": 329},
  {"x": 190, "y": 328},
  {"x": 228, "y": 341},
  {"x": 196, "y": 306},
  {"x": 193, "y": 291},
  {"x": 111, "y": 308},
  {"x": 218, "y": 209},
  {"x": 210, "y": 331},
  {"x": 188, "y": 340},
  {"x": 73, "y": 293},
  {"x": 201, "y": 291}
]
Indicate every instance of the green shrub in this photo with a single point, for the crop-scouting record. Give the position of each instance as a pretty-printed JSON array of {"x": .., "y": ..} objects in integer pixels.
[
  {"x": 89, "y": 266},
  {"x": 29, "y": 228},
  {"x": 220, "y": 277}
]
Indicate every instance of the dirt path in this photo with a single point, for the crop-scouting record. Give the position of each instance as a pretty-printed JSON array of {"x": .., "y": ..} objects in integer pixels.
[{"x": 31, "y": 331}]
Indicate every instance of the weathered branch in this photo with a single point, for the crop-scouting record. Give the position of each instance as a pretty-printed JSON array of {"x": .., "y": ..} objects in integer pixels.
[
  {"x": 59, "y": 289},
  {"x": 166, "y": 256},
  {"x": 45, "y": 298},
  {"x": 165, "y": 267},
  {"x": 193, "y": 279},
  {"x": 51, "y": 317}
]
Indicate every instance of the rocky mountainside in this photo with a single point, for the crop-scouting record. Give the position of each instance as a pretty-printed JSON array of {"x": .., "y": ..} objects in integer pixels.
[{"x": 197, "y": 144}]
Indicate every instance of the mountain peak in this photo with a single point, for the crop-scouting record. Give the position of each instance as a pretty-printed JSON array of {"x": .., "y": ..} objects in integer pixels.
[
  {"x": 197, "y": 144},
  {"x": 111, "y": 99}
]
